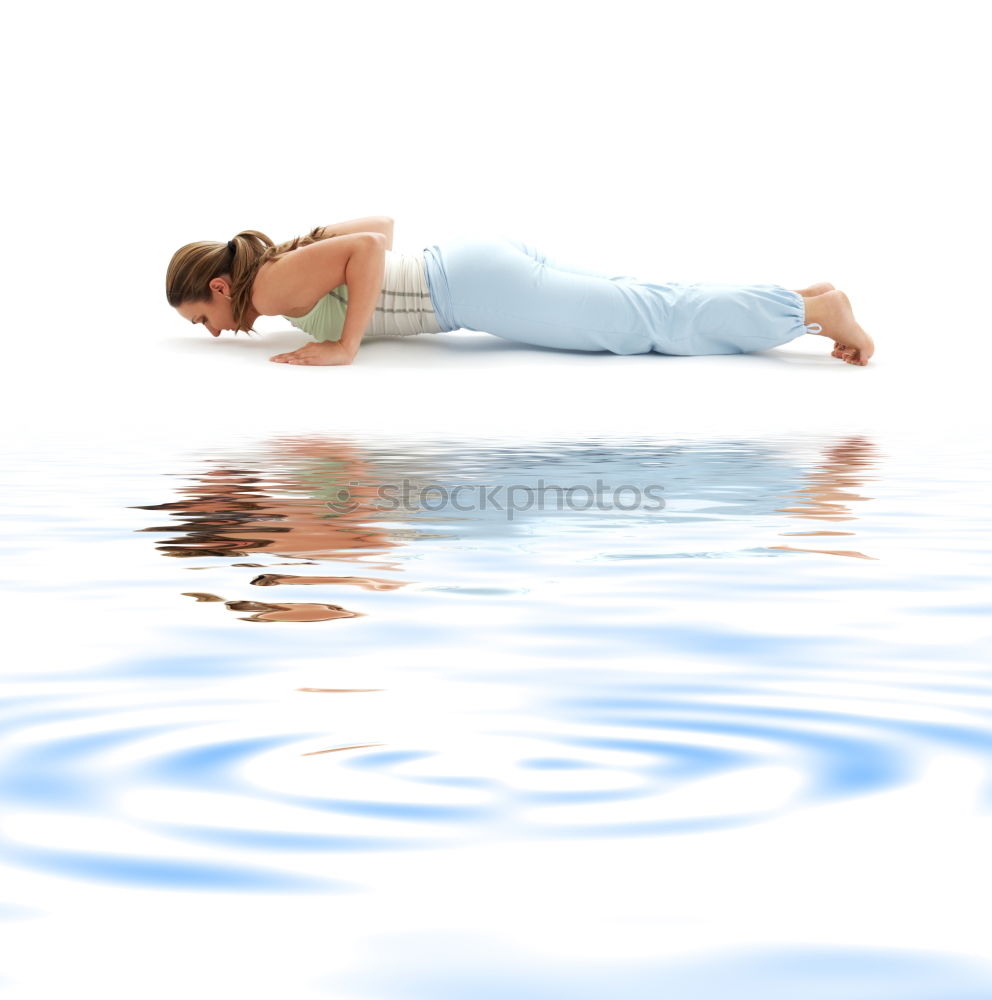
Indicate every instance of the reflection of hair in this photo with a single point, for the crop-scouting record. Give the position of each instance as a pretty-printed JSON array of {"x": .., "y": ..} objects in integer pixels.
[{"x": 195, "y": 265}]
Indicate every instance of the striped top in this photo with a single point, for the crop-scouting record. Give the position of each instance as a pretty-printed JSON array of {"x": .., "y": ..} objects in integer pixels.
[{"x": 404, "y": 307}]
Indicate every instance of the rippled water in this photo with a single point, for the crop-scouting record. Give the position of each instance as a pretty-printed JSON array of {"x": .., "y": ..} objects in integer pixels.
[{"x": 255, "y": 674}]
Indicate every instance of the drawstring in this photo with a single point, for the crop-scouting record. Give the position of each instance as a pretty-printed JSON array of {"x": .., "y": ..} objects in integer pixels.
[{"x": 819, "y": 329}]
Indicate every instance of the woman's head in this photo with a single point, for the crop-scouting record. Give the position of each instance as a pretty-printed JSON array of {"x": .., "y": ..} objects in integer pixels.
[{"x": 211, "y": 283}]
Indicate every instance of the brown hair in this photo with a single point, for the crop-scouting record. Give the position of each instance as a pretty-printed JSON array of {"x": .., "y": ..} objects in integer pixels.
[{"x": 195, "y": 265}]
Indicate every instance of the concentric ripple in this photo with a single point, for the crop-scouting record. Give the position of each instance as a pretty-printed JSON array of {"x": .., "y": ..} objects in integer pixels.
[{"x": 480, "y": 676}]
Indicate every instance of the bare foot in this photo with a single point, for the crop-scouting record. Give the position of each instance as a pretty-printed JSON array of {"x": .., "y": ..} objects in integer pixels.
[
  {"x": 833, "y": 312},
  {"x": 818, "y": 289}
]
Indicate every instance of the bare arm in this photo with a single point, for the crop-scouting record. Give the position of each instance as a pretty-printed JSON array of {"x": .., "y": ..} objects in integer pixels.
[
  {"x": 370, "y": 224},
  {"x": 300, "y": 278},
  {"x": 364, "y": 275}
]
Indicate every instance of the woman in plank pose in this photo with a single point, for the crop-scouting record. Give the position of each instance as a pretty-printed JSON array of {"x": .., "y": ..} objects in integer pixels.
[{"x": 343, "y": 284}]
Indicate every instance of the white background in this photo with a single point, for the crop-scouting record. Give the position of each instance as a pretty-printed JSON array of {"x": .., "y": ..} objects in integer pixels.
[{"x": 768, "y": 142}]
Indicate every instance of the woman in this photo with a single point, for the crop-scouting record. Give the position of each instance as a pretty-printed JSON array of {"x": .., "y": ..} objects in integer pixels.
[{"x": 344, "y": 284}]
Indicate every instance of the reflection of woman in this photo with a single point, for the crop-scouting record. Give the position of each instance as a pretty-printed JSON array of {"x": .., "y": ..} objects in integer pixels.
[
  {"x": 343, "y": 283},
  {"x": 231, "y": 512},
  {"x": 330, "y": 499}
]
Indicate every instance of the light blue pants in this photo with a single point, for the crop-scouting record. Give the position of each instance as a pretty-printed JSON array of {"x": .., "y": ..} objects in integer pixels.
[{"x": 505, "y": 287}]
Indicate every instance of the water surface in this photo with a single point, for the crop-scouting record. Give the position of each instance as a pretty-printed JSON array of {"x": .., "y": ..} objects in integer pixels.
[{"x": 320, "y": 671}]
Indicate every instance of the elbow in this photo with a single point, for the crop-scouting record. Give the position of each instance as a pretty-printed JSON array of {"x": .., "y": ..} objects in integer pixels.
[
  {"x": 363, "y": 243},
  {"x": 367, "y": 247},
  {"x": 387, "y": 229}
]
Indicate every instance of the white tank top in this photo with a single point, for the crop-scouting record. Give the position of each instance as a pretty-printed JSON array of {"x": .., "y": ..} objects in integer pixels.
[{"x": 404, "y": 307}]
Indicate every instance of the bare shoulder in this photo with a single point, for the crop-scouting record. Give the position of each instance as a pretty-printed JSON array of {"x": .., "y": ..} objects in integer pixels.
[{"x": 293, "y": 284}]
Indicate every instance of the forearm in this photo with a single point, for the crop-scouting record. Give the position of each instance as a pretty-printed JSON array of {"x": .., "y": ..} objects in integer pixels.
[
  {"x": 369, "y": 224},
  {"x": 364, "y": 275}
]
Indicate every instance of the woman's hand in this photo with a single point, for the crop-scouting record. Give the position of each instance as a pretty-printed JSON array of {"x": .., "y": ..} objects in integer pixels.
[{"x": 328, "y": 352}]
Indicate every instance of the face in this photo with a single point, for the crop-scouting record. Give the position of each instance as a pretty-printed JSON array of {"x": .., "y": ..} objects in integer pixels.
[{"x": 215, "y": 314}]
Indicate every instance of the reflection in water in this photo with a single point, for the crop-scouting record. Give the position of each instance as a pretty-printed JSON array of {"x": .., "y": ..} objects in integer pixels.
[
  {"x": 843, "y": 468},
  {"x": 365, "y": 582},
  {"x": 620, "y": 692},
  {"x": 500, "y": 671},
  {"x": 328, "y": 499},
  {"x": 357, "y": 746},
  {"x": 294, "y": 612}
]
